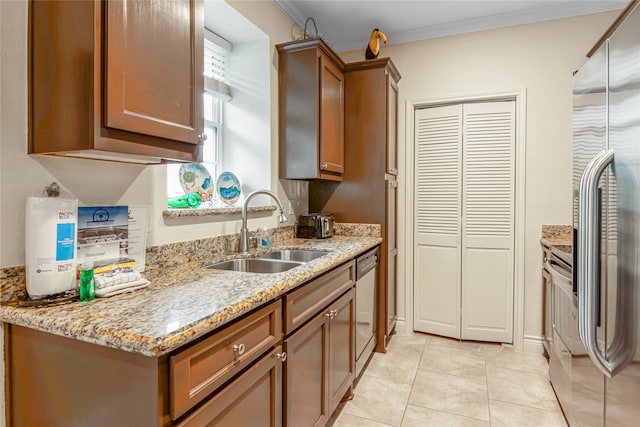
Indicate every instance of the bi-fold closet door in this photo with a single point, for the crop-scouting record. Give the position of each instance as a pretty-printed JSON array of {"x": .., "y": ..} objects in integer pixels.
[{"x": 464, "y": 220}]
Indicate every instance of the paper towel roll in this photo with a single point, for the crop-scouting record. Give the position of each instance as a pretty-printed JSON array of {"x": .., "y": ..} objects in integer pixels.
[{"x": 51, "y": 227}]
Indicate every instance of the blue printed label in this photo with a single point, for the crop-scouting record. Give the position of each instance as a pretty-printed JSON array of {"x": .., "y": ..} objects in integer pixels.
[{"x": 65, "y": 243}]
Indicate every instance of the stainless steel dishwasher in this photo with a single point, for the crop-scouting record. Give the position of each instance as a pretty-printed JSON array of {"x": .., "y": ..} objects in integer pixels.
[{"x": 366, "y": 302}]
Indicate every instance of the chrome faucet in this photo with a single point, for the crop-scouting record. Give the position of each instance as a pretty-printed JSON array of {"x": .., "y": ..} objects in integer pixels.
[{"x": 244, "y": 231}]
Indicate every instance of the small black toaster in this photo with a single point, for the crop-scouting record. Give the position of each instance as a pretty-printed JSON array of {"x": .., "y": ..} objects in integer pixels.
[{"x": 315, "y": 225}]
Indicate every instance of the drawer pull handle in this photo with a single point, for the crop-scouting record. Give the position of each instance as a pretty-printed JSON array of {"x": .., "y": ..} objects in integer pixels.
[
  {"x": 281, "y": 356},
  {"x": 331, "y": 314},
  {"x": 238, "y": 349}
]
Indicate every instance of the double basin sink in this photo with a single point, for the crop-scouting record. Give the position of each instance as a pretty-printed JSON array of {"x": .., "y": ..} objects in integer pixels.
[{"x": 271, "y": 262}]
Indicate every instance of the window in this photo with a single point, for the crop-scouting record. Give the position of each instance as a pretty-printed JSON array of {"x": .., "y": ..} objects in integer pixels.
[
  {"x": 217, "y": 94},
  {"x": 213, "y": 129},
  {"x": 239, "y": 129}
]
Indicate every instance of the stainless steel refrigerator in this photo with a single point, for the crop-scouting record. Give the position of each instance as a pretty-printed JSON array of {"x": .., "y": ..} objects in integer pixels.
[{"x": 605, "y": 354}]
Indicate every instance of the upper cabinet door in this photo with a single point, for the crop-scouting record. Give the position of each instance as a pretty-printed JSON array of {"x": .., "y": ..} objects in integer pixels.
[
  {"x": 331, "y": 116},
  {"x": 311, "y": 111},
  {"x": 392, "y": 126},
  {"x": 154, "y": 64}
]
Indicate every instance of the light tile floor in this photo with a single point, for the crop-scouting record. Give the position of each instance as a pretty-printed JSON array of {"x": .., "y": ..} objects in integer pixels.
[{"x": 425, "y": 380}]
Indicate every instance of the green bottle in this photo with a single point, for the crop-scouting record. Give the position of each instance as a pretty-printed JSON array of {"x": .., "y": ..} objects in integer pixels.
[
  {"x": 191, "y": 200},
  {"x": 87, "y": 283}
]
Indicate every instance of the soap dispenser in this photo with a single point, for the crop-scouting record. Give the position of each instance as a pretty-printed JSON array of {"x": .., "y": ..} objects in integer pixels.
[{"x": 263, "y": 237}]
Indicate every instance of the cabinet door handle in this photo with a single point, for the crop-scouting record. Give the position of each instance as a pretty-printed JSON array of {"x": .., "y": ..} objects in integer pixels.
[
  {"x": 281, "y": 356},
  {"x": 238, "y": 349},
  {"x": 324, "y": 166},
  {"x": 202, "y": 138},
  {"x": 335, "y": 313}
]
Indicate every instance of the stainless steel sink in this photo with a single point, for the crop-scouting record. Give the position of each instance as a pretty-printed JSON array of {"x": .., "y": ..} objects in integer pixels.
[
  {"x": 300, "y": 255},
  {"x": 255, "y": 265}
]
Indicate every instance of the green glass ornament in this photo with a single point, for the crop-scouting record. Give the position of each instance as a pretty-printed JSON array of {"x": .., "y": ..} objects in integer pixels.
[{"x": 191, "y": 200}]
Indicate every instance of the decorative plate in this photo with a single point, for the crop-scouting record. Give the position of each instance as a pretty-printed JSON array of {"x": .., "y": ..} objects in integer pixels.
[
  {"x": 228, "y": 187},
  {"x": 195, "y": 178}
]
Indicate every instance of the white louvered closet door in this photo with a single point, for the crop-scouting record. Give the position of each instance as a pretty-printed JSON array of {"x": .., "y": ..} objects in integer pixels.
[
  {"x": 438, "y": 162},
  {"x": 488, "y": 221},
  {"x": 464, "y": 221}
]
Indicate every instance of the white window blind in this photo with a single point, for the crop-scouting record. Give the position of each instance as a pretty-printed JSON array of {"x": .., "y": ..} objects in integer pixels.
[{"x": 216, "y": 59}]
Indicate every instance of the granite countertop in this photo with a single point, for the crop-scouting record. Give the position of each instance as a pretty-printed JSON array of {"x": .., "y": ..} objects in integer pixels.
[
  {"x": 553, "y": 235},
  {"x": 182, "y": 302}
]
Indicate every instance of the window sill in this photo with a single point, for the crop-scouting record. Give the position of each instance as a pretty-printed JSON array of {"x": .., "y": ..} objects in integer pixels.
[{"x": 232, "y": 210}]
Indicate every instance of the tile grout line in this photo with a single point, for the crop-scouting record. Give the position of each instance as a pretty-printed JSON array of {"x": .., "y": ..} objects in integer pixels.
[
  {"x": 527, "y": 406},
  {"x": 426, "y": 343},
  {"x": 365, "y": 374},
  {"x": 486, "y": 380}
]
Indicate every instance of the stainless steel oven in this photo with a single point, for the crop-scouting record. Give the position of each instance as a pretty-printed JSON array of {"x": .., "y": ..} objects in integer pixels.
[
  {"x": 565, "y": 311},
  {"x": 564, "y": 318}
]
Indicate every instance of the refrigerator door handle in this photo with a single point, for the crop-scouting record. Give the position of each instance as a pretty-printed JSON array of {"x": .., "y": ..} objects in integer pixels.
[{"x": 588, "y": 258}]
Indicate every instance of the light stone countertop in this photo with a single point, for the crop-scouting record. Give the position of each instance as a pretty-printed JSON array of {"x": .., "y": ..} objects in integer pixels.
[
  {"x": 182, "y": 302},
  {"x": 553, "y": 235}
]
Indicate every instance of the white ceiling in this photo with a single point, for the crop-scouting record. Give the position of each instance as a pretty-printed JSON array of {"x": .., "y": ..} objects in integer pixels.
[{"x": 346, "y": 25}]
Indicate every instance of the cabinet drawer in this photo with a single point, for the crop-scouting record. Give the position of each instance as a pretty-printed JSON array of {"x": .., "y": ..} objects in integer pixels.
[
  {"x": 202, "y": 368},
  {"x": 253, "y": 399},
  {"x": 303, "y": 303}
]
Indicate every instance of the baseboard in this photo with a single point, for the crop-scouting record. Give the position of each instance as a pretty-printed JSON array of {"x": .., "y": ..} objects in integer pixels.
[{"x": 532, "y": 344}]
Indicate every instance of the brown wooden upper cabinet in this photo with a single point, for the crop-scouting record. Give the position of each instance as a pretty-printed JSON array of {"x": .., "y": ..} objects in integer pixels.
[
  {"x": 311, "y": 113},
  {"x": 118, "y": 80}
]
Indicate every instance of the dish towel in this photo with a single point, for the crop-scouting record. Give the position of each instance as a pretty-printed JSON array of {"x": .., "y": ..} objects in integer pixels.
[{"x": 108, "y": 285}]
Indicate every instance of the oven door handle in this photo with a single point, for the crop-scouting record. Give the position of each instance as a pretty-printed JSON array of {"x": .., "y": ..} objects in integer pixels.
[
  {"x": 560, "y": 278},
  {"x": 588, "y": 258}
]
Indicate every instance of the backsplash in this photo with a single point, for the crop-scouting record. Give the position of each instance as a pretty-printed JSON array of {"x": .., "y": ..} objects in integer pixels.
[
  {"x": 12, "y": 283},
  {"x": 358, "y": 230},
  {"x": 12, "y": 279},
  {"x": 171, "y": 254}
]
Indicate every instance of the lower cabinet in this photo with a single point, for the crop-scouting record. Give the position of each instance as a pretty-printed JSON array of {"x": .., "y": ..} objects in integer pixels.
[
  {"x": 305, "y": 374},
  {"x": 342, "y": 348},
  {"x": 253, "y": 399},
  {"x": 271, "y": 367},
  {"x": 320, "y": 364}
]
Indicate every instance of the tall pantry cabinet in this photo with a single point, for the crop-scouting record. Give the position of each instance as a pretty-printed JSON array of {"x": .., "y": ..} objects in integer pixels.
[{"x": 368, "y": 191}]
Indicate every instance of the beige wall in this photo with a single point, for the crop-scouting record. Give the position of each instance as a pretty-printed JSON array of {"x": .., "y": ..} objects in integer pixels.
[
  {"x": 537, "y": 57},
  {"x": 95, "y": 182}
]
